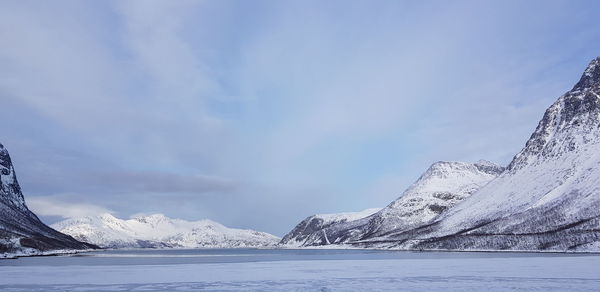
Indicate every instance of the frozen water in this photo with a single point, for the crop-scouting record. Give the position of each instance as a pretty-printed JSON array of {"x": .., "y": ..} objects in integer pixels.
[{"x": 301, "y": 270}]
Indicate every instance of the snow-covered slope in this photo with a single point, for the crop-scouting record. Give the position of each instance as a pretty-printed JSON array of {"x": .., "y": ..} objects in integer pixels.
[
  {"x": 549, "y": 197},
  {"x": 160, "y": 231},
  {"x": 21, "y": 232},
  {"x": 316, "y": 223},
  {"x": 442, "y": 186}
]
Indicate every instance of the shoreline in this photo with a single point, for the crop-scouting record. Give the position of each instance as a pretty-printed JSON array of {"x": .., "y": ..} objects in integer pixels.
[
  {"x": 50, "y": 253},
  {"x": 442, "y": 250},
  {"x": 14, "y": 256}
]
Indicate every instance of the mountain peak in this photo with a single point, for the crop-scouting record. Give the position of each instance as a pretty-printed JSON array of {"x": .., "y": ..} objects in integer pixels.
[
  {"x": 152, "y": 218},
  {"x": 590, "y": 77},
  {"x": 21, "y": 231},
  {"x": 10, "y": 191},
  {"x": 4, "y": 157},
  {"x": 568, "y": 124},
  {"x": 143, "y": 231},
  {"x": 107, "y": 216},
  {"x": 489, "y": 167},
  {"x": 444, "y": 168}
]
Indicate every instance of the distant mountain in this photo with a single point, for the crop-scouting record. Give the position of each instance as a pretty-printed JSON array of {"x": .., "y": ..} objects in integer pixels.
[
  {"x": 549, "y": 197},
  {"x": 21, "y": 232},
  {"x": 316, "y": 223},
  {"x": 159, "y": 231},
  {"x": 442, "y": 186}
]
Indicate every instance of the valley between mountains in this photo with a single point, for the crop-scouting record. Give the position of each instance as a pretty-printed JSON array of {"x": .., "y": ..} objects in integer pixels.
[{"x": 546, "y": 199}]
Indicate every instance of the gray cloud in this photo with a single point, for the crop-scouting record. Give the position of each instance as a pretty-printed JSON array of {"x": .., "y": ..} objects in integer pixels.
[{"x": 156, "y": 182}]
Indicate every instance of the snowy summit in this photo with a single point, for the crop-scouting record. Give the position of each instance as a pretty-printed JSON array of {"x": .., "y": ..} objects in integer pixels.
[
  {"x": 442, "y": 186},
  {"x": 159, "y": 231},
  {"x": 546, "y": 199}
]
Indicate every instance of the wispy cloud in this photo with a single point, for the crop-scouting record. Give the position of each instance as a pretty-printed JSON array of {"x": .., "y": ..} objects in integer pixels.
[{"x": 51, "y": 206}]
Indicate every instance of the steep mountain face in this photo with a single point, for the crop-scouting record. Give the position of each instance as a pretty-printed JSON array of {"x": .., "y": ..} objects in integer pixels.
[
  {"x": 441, "y": 187},
  {"x": 21, "y": 232},
  {"x": 315, "y": 223},
  {"x": 549, "y": 197},
  {"x": 157, "y": 230}
]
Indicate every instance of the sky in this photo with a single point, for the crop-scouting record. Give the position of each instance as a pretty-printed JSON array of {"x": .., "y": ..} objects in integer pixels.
[{"x": 257, "y": 114}]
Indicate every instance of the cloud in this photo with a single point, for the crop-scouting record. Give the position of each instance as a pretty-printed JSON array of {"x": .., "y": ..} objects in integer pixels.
[
  {"x": 52, "y": 206},
  {"x": 156, "y": 182}
]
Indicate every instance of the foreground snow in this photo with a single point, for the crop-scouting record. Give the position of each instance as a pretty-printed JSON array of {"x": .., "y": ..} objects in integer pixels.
[
  {"x": 160, "y": 231},
  {"x": 543, "y": 273}
]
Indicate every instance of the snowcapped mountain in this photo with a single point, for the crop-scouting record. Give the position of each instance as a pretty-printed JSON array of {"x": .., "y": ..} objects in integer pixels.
[
  {"x": 549, "y": 196},
  {"x": 316, "y": 223},
  {"x": 21, "y": 232},
  {"x": 160, "y": 231},
  {"x": 441, "y": 187}
]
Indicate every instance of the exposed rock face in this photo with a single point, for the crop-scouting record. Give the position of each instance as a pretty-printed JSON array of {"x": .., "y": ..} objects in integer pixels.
[
  {"x": 20, "y": 230},
  {"x": 316, "y": 223},
  {"x": 159, "y": 231},
  {"x": 549, "y": 197},
  {"x": 441, "y": 187}
]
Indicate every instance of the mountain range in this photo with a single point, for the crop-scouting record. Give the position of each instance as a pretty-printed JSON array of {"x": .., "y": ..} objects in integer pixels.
[
  {"x": 547, "y": 198},
  {"x": 442, "y": 186},
  {"x": 22, "y": 233},
  {"x": 159, "y": 231}
]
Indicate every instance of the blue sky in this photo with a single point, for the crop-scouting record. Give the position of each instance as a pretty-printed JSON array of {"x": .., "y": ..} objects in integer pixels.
[{"x": 257, "y": 114}]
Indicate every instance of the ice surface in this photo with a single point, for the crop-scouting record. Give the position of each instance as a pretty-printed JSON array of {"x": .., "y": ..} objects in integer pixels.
[{"x": 418, "y": 272}]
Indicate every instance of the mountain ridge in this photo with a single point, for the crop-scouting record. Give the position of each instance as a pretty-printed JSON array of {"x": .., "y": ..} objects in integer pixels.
[
  {"x": 547, "y": 198},
  {"x": 318, "y": 222},
  {"x": 555, "y": 204},
  {"x": 440, "y": 187},
  {"x": 160, "y": 231}
]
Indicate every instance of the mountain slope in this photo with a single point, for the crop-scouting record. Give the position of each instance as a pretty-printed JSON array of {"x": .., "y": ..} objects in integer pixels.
[
  {"x": 316, "y": 223},
  {"x": 441, "y": 187},
  {"x": 160, "y": 231},
  {"x": 21, "y": 231},
  {"x": 549, "y": 197}
]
